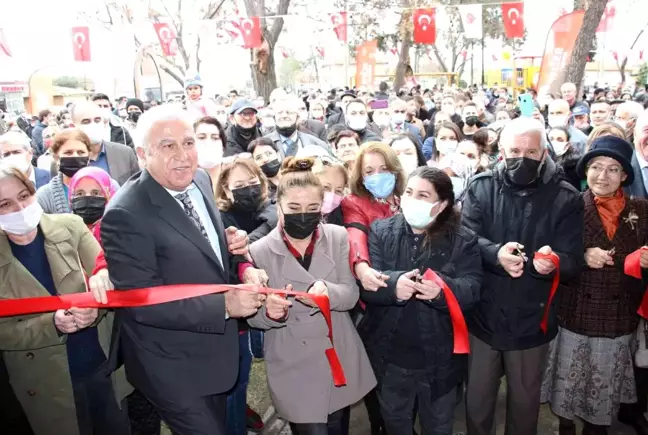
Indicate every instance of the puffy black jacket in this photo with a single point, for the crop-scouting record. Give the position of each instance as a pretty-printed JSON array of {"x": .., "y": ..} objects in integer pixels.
[
  {"x": 550, "y": 212},
  {"x": 119, "y": 134},
  {"x": 257, "y": 225},
  {"x": 235, "y": 143},
  {"x": 455, "y": 257}
]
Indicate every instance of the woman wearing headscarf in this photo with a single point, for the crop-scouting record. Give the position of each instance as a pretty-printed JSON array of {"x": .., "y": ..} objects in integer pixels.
[
  {"x": 56, "y": 361},
  {"x": 589, "y": 372}
]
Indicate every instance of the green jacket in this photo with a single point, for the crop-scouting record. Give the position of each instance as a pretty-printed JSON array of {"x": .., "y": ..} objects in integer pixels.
[{"x": 34, "y": 352}]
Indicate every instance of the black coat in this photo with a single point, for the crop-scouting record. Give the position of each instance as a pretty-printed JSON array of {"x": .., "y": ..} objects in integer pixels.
[
  {"x": 315, "y": 128},
  {"x": 237, "y": 144},
  {"x": 455, "y": 257},
  {"x": 568, "y": 163},
  {"x": 257, "y": 225},
  {"x": 119, "y": 134},
  {"x": 550, "y": 212},
  {"x": 177, "y": 350}
]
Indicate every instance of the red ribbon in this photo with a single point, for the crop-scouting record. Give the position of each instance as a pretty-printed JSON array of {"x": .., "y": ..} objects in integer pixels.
[
  {"x": 459, "y": 327},
  {"x": 554, "y": 286},
  {"x": 632, "y": 267},
  {"x": 159, "y": 295}
]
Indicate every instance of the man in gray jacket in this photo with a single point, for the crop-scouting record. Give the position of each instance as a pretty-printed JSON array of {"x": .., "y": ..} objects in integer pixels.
[{"x": 118, "y": 160}]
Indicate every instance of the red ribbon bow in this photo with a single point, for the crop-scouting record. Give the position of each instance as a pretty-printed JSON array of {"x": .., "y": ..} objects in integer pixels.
[
  {"x": 159, "y": 295},
  {"x": 544, "y": 324},
  {"x": 459, "y": 327}
]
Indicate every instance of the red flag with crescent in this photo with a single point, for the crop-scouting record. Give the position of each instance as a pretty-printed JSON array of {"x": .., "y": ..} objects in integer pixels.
[
  {"x": 167, "y": 37},
  {"x": 513, "y": 16},
  {"x": 81, "y": 43},
  {"x": 425, "y": 26},
  {"x": 251, "y": 32},
  {"x": 339, "y": 20},
  {"x": 321, "y": 51},
  {"x": 607, "y": 20},
  {"x": 4, "y": 47}
]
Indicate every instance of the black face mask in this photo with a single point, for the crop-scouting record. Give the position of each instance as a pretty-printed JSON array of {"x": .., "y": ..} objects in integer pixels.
[
  {"x": 245, "y": 133},
  {"x": 522, "y": 171},
  {"x": 134, "y": 116},
  {"x": 69, "y": 166},
  {"x": 271, "y": 169},
  {"x": 247, "y": 198},
  {"x": 301, "y": 225},
  {"x": 90, "y": 208},
  {"x": 286, "y": 131},
  {"x": 472, "y": 121}
]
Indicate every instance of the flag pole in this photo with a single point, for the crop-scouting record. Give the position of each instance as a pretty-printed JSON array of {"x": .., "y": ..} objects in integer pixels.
[{"x": 346, "y": 47}]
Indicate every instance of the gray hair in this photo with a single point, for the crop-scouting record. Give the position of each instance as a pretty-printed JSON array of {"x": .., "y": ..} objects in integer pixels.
[
  {"x": 16, "y": 138},
  {"x": 632, "y": 107},
  {"x": 521, "y": 126},
  {"x": 156, "y": 114}
]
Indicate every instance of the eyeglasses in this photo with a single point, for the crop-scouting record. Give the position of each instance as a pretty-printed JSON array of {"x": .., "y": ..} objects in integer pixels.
[
  {"x": 614, "y": 171},
  {"x": 231, "y": 159}
]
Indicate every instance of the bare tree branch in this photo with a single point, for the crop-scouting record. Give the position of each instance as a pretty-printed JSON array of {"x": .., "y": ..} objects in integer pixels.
[{"x": 278, "y": 23}]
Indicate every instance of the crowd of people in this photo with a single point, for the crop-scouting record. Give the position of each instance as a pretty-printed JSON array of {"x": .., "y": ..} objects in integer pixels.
[{"x": 350, "y": 194}]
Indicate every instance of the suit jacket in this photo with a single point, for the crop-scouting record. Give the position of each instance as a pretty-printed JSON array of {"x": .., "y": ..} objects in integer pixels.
[
  {"x": 42, "y": 177},
  {"x": 316, "y": 128},
  {"x": 637, "y": 189},
  {"x": 185, "y": 348},
  {"x": 122, "y": 161},
  {"x": 305, "y": 141},
  {"x": 299, "y": 375}
]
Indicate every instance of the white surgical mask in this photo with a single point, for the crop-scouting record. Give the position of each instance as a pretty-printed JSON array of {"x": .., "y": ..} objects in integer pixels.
[
  {"x": 18, "y": 161},
  {"x": 417, "y": 212},
  {"x": 223, "y": 120},
  {"x": 94, "y": 131},
  {"x": 446, "y": 147},
  {"x": 557, "y": 121},
  {"x": 357, "y": 123},
  {"x": 560, "y": 148},
  {"x": 210, "y": 153},
  {"x": 622, "y": 123},
  {"x": 381, "y": 120},
  {"x": 408, "y": 162},
  {"x": 22, "y": 222},
  {"x": 398, "y": 118}
]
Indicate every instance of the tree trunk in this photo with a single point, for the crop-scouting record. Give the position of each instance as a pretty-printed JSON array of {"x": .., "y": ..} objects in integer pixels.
[
  {"x": 622, "y": 70},
  {"x": 584, "y": 43},
  {"x": 403, "y": 56}
]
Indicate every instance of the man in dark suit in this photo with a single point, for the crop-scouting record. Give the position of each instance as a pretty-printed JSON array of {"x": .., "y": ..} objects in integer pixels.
[
  {"x": 118, "y": 160},
  {"x": 16, "y": 151},
  {"x": 163, "y": 228}
]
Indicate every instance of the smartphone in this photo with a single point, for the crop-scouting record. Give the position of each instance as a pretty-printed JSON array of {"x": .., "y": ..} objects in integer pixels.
[{"x": 525, "y": 103}]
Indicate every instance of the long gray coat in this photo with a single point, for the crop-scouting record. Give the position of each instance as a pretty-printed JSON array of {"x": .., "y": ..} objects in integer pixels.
[{"x": 299, "y": 376}]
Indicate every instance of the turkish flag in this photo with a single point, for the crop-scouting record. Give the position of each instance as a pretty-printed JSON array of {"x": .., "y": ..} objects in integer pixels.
[
  {"x": 513, "y": 16},
  {"x": 641, "y": 54},
  {"x": 81, "y": 43},
  {"x": 167, "y": 37},
  {"x": 4, "y": 47},
  {"x": 321, "y": 51},
  {"x": 607, "y": 19},
  {"x": 339, "y": 20},
  {"x": 425, "y": 26},
  {"x": 251, "y": 32}
]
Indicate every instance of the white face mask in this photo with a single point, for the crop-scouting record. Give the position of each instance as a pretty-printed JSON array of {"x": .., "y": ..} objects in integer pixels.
[
  {"x": 222, "y": 119},
  {"x": 446, "y": 147},
  {"x": 408, "y": 162},
  {"x": 357, "y": 123},
  {"x": 622, "y": 123},
  {"x": 210, "y": 153},
  {"x": 381, "y": 120},
  {"x": 22, "y": 222},
  {"x": 94, "y": 131},
  {"x": 398, "y": 118},
  {"x": 557, "y": 121},
  {"x": 417, "y": 212},
  {"x": 18, "y": 161},
  {"x": 560, "y": 148}
]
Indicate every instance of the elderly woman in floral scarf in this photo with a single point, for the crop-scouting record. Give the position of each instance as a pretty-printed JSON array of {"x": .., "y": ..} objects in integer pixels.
[
  {"x": 589, "y": 371},
  {"x": 90, "y": 190}
]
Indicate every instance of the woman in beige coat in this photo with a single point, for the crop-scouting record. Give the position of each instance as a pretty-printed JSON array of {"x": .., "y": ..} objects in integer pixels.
[
  {"x": 304, "y": 255},
  {"x": 55, "y": 361}
]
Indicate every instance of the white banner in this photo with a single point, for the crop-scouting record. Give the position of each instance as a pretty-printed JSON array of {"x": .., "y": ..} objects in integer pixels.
[{"x": 471, "y": 17}]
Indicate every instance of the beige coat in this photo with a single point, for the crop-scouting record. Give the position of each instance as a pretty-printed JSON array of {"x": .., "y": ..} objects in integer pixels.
[
  {"x": 299, "y": 376},
  {"x": 35, "y": 354}
]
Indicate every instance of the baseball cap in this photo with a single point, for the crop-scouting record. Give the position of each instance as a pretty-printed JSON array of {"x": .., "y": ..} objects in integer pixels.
[
  {"x": 241, "y": 105},
  {"x": 580, "y": 110}
]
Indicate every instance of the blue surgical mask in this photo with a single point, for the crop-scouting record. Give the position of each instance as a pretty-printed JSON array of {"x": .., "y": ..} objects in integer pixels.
[{"x": 380, "y": 185}]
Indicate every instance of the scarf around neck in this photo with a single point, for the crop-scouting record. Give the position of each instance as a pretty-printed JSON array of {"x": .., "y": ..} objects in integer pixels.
[{"x": 609, "y": 209}]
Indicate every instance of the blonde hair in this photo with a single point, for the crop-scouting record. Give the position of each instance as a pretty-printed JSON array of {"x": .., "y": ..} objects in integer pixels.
[
  {"x": 608, "y": 128},
  {"x": 222, "y": 200},
  {"x": 298, "y": 172},
  {"x": 356, "y": 181}
]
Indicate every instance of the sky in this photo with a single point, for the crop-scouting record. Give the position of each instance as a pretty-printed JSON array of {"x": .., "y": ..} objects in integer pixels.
[{"x": 38, "y": 32}]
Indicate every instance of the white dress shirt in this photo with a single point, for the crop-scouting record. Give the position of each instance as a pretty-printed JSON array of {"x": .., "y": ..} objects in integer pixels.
[{"x": 201, "y": 208}]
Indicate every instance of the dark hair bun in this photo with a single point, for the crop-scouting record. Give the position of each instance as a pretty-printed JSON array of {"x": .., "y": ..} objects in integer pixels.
[{"x": 294, "y": 164}]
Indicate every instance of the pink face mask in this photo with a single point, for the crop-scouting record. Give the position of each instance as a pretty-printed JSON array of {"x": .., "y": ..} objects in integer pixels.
[{"x": 331, "y": 202}]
